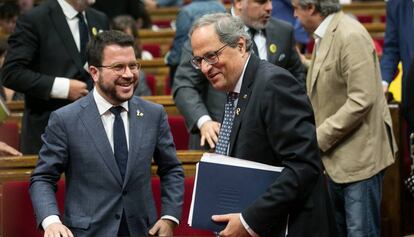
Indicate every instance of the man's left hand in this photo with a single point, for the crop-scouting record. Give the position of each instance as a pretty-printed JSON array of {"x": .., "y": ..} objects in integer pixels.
[
  {"x": 163, "y": 227},
  {"x": 234, "y": 226}
]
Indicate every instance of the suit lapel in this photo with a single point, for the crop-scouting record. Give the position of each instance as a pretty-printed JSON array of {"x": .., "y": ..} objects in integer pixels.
[
  {"x": 94, "y": 126},
  {"x": 272, "y": 45},
  {"x": 323, "y": 50},
  {"x": 244, "y": 97},
  {"x": 62, "y": 28},
  {"x": 136, "y": 128}
]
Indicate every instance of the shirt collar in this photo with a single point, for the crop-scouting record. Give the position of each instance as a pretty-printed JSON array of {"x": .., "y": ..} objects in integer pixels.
[
  {"x": 68, "y": 10},
  {"x": 237, "y": 88},
  {"x": 321, "y": 30},
  {"x": 103, "y": 105}
]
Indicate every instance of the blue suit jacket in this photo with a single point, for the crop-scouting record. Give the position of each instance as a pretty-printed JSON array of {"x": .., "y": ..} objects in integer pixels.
[{"x": 75, "y": 143}]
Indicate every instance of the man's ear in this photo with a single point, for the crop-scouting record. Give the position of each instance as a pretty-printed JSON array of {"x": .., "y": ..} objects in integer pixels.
[
  {"x": 94, "y": 72},
  {"x": 238, "y": 4}
]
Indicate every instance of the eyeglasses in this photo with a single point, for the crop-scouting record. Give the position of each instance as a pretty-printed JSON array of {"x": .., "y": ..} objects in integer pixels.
[
  {"x": 210, "y": 58},
  {"x": 120, "y": 68}
]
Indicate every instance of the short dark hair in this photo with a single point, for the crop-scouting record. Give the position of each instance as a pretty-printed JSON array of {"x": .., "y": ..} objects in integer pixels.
[
  {"x": 8, "y": 10},
  {"x": 97, "y": 44}
]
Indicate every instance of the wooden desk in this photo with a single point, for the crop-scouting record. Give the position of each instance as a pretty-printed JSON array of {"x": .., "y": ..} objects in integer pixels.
[{"x": 20, "y": 168}]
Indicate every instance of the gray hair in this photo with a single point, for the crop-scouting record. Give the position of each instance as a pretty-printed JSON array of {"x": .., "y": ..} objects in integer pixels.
[
  {"x": 228, "y": 28},
  {"x": 324, "y": 7}
]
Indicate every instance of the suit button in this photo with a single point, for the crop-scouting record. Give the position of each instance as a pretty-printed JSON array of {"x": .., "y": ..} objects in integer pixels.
[
  {"x": 124, "y": 192},
  {"x": 117, "y": 216}
]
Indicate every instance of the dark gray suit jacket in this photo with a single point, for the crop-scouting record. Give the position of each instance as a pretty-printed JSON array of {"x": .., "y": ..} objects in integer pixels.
[
  {"x": 276, "y": 126},
  {"x": 42, "y": 48},
  {"x": 75, "y": 143},
  {"x": 194, "y": 95}
]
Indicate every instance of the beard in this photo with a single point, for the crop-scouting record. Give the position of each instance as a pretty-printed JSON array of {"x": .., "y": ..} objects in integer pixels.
[{"x": 111, "y": 93}]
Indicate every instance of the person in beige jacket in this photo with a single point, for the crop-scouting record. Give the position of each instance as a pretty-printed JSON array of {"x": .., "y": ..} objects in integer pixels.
[{"x": 354, "y": 129}]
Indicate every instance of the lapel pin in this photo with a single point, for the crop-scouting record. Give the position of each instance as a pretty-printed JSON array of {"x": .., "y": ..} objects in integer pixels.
[
  {"x": 238, "y": 111},
  {"x": 245, "y": 96},
  {"x": 272, "y": 48},
  {"x": 94, "y": 31},
  {"x": 139, "y": 113}
]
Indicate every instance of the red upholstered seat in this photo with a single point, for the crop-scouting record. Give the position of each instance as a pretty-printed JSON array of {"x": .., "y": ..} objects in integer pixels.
[
  {"x": 183, "y": 229},
  {"x": 18, "y": 216},
  {"x": 179, "y": 132},
  {"x": 9, "y": 133},
  {"x": 151, "y": 83},
  {"x": 154, "y": 49}
]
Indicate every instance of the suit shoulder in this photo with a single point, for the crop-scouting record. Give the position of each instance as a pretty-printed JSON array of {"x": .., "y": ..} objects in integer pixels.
[
  {"x": 279, "y": 25},
  {"x": 97, "y": 13}
]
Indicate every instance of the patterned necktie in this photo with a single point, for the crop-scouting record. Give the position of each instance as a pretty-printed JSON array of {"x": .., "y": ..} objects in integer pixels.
[
  {"x": 226, "y": 126},
  {"x": 83, "y": 35},
  {"x": 120, "y": 142}
]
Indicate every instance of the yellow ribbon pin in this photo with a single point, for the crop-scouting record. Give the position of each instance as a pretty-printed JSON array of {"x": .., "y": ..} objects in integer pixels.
[
  {"x": 272, "y": 48},
  {"x": 94, "y": 31}
]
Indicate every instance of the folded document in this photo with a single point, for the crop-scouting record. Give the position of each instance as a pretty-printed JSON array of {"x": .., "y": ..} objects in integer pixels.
[{"x": 226, "y": 185}]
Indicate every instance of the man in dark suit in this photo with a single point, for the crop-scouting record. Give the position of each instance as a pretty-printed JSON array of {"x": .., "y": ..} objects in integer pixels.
[
  {"x": 105, "y": 143},
  {"x": 199, "y": 104},
  {"x": 273, "y": 123},
  {"x": 46, "y": 61}
]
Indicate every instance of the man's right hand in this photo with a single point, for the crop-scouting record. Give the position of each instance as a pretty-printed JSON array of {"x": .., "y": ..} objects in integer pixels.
[
  {"x": 77, "y": 89},
  {"x": 57, "y": 230},
  {"x": 209, "y": 131}
]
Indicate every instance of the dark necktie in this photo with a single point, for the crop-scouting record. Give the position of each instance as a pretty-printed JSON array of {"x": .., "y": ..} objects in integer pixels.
[
  {"x": 226, "y": 125},
  {"x": 83, "y": 35},
  {"x": 120, "y": 142},
  {"x": 252, "y": 32}
]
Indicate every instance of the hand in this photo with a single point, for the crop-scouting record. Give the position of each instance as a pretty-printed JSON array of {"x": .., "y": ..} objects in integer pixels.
[
  {"x": 150, "y": 4},
  {"x": 234, "y": 226},
  {"x": 77, "y": 89},
  {"x": 385, "y": 88},
  {"x": 163, "y": 227},
  {"x": 209, "y": 131},
  {"x": 57, "y": 230},
  {"x": 6, "y": 150}
]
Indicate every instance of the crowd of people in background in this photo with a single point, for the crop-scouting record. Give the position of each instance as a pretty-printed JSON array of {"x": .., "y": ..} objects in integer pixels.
[{"x": 323, "y": 117}]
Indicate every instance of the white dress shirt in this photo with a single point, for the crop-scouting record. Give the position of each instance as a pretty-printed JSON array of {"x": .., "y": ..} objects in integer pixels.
[{"x": 60, "y": 88}]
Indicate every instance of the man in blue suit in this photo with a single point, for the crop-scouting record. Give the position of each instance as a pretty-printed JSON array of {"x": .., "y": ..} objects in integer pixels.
[
  {"x": 399, "y": 46},
  {"x": 105, "y": 143}
]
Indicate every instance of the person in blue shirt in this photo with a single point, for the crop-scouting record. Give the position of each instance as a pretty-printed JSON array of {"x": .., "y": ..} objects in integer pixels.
[
  {"x": 185, "y": 19},
  {"x": 399, "y": 46},
  {"x": 284, "y": 11}
]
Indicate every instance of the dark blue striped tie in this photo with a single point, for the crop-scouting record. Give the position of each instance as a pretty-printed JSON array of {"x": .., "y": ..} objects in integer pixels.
[{"x": 120, "y": 142}]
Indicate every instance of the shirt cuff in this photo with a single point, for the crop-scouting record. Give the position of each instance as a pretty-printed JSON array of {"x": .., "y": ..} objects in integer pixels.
[
  {"x": 247, "y": 227},
  {"x": 50, "y": 220},
  {"x": 202, "y": 120},
  {"x": 171, "y": 218},
  {"x": 60, "y": 88},
  {"x": 385, "y": 83}
]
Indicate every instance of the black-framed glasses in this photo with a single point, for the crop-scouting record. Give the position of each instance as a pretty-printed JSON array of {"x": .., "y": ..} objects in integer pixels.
[
  {"x": 209, "y": 57},
  {"x": 120, "y": 68}
]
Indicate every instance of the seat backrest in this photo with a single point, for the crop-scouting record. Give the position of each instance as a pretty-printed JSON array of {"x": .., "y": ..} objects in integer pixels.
[
  {"x": 179, "y": 131},
  {"x": 9, "y": 133},
  {"x": 150, "y": 78},
  {"x": 18, "y": 215},
  {"x": 154, "y": 49},
  {"x": 183, "y": 228}
]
